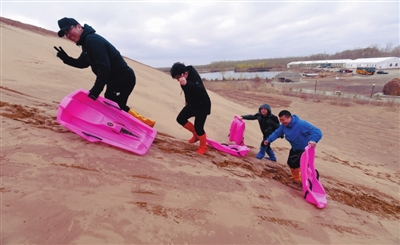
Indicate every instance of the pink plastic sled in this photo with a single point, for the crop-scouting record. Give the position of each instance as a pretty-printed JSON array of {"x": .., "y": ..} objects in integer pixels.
[
  {"x": 235, "y": 150},
  {"x": 236, "y": 134},
  {"x": 102, "y": 120},
  {"x": 236, "y": 131},
  {"x": 313, "y": 190}
]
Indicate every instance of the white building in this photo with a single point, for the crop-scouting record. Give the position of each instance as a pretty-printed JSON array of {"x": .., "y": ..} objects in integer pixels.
[{"x": 378, "y": 63}]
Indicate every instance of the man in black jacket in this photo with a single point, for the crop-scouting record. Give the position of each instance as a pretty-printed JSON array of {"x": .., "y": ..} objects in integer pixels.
[
  {"x": 197, "y": 103},
  {"x": 268, "y": 124},
  {"x": 106, "y": 62}
]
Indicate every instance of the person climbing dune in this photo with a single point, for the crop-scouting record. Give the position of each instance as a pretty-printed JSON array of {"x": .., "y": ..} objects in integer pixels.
[
  {"x": 268, "y": 123},
  {"x": 197, "y": 103}
]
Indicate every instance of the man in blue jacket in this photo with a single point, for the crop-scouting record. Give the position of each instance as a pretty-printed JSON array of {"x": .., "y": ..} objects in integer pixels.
[
  {"x": 299, "y": 133},
  {"x": 106, "y": 62}
]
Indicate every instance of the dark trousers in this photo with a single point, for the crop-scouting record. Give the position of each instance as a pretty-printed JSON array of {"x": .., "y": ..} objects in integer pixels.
[
  {"x": 119, "y": 91},
  {"x": 199, "y": 119},
  {"x": 294, "y": 158}
]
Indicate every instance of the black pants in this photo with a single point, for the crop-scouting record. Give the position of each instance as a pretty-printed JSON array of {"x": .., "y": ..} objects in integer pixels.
[
  {"x": 199, "y": 120},
  {"x": 294, "y": 158},
  {"x": 119, "y": 91}
]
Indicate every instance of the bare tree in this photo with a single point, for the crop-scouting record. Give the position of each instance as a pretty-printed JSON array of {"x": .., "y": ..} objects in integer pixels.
[{"x": 388, "y": 48}]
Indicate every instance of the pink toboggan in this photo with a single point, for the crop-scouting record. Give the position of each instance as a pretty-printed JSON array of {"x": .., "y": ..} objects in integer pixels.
[
  {"x": 102, "y": 120},
  {"x": 313, "y": 190}
]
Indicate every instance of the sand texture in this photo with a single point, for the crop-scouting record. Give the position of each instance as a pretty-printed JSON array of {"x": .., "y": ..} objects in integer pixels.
[{"x": 58, "y": 188}]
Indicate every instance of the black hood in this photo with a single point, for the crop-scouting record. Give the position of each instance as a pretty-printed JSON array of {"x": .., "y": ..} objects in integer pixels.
[
  {"x": 86, "y": 31},
  {"x": 266, "y": 106}
]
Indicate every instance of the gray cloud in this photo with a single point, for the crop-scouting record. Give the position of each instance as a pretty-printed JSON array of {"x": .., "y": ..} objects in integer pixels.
[{"x": 160, "y": 33}]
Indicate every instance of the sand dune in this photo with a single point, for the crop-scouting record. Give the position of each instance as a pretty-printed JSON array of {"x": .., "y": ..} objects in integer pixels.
[{"x": 58, "y": 188}]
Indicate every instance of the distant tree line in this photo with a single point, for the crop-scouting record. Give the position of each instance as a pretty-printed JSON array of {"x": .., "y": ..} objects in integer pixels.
[{"x": 370, "y": 52}]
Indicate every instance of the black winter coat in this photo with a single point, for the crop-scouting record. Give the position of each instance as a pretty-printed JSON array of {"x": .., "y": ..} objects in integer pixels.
[
  {"x": 268, "y": 124},
  {"x": 196, "y": 95},
  {"x": 104, "y": 59}
]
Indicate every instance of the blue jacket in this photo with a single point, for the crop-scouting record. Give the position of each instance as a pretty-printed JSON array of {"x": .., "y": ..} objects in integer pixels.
[{"x": 298, "y": 132}]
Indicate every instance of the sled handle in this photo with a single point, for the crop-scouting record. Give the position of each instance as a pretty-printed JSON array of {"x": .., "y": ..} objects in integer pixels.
[{"x": 91, "y": 135}]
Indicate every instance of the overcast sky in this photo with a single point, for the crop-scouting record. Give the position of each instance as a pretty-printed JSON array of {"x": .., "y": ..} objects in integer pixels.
[{"x": 159, "y": 33}]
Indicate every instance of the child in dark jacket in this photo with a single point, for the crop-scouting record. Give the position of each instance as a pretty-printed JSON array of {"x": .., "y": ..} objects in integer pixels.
[{"x": 268, "y": 124}]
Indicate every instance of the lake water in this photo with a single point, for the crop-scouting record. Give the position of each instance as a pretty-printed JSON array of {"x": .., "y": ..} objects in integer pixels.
[{"x": 237, "y": 75}]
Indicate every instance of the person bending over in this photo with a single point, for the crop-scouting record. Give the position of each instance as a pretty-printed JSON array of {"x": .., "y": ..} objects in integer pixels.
[
  {"x": 299, "y": 133},
  {"x": 106, "y": 62}
]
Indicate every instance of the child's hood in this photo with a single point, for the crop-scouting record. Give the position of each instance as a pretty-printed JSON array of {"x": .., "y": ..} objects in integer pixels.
[{"x": 266, "y": 106}]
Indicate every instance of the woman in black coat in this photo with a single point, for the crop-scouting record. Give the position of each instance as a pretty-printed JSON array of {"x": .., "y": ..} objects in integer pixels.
[{"x": 197, "y": 103}]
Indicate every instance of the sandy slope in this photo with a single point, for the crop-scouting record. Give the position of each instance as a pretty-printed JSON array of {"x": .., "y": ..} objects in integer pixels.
[{"x": 58, "y": 188}]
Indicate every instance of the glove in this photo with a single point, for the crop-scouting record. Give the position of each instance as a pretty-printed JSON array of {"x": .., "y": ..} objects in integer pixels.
[
  {"x": 92, "y": 95},
  {"x": 94, "y": 92},
  {"x": 61, "y": 54}
]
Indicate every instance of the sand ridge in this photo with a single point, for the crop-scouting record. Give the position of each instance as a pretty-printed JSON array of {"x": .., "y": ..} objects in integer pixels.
[{"x": 57, "y": 188}]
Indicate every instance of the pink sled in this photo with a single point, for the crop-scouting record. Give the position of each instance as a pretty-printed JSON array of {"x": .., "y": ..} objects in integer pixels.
[
  {"x": 313, "y": 190},
  {"x": 235, "y": 150},
  {"x": 236, "y": 135},
  {"x": 102, "y": 120},
  {"x": 236, "y": 131}
]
